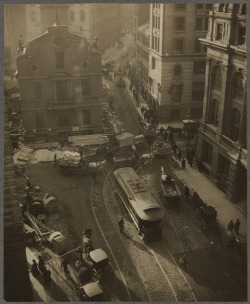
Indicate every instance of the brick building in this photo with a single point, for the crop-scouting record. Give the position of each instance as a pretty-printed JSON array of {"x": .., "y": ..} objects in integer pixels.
[
  {"x": 59, "y": 75},
  {"x": 222, "y": 142},
  {"x": 17, "y": 286},
  {"x": 177, "y": 59}
]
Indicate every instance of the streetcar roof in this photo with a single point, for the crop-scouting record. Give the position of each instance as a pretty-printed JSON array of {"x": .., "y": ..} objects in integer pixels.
[{"x": 141, "y": 199}]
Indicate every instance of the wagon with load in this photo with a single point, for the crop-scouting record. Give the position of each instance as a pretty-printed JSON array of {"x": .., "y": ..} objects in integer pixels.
[{"x": 171, "y": 191}]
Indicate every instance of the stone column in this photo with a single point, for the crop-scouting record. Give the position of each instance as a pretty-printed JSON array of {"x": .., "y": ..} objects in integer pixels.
[{"x": 206, "y": 90}]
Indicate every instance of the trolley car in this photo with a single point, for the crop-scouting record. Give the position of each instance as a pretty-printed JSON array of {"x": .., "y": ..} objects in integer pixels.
[{"x": 139, "y": 203}]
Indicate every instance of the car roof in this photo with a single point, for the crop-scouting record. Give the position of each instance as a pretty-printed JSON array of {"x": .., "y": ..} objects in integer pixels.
[
  {"x": 92, "y": 289},
  {"x": 98, "y": 255}
]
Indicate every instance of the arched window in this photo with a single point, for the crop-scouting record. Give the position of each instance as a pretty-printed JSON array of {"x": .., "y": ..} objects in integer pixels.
[
  {"x": 213, "y": 117},
  {"x": 216, "y": 78},
  {"x": 82, "y": 15},
  {"x": 72, "y": 15},
  {"x": 238, "y": 86},
  {"x": 235, "y": 124}
]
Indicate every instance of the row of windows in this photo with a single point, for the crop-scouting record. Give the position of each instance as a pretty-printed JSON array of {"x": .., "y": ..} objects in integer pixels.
[
  {"x": 242, "y": 33},
  {"x": 156, "y": 22},
  {"x": 63, "y": 119},
  {"x": 201, "y": 24},
  {"x": 143, "y": 39},
  {"x": 156, "y": 43},
  {"x": 156, "y": 5},
  {"x": 61, "y": 89}
]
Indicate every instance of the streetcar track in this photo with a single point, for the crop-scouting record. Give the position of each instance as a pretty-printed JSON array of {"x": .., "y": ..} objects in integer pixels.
[
  {"x": 107, "y": 243},
  {"x": 157, "y": 260}
]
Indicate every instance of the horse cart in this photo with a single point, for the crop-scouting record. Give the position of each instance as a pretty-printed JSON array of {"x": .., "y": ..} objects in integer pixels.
[
  {"x": 206, "y": 215},
  {"x": 171, "y": 191}
]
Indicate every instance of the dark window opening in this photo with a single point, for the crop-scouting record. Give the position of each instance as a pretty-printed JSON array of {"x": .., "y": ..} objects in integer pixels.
[
  {"x": 198, "y": 46},
  {"x": 199, "y": 6},
  {"x": 207, "y": 152},
  {"x": 175, "y": 115},
  {"x": 235, "y": 124},
  {"x": 198, "y": 24},
  {"x": 216, "y": 78},
  {"x": 197, "y": 96},
  {"x": 242, "y": 35},
  {"x": 179, "y": 24},
  {"x": 219, "y": 34},
  {"x": 180, "y": 6},
  {"x": 196, "y": 113},
  {"x": 63, "y": 120},
  {"x": 213, "y": 119},
  {"x": 61, "y": 91},
  {"x": 40, "y": 123},
  {"x": 153, "y": 63}
]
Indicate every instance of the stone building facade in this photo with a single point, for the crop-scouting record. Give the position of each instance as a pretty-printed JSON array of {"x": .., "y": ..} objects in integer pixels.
[
  {"x": 177, "y": 59},
  {"x": 59, "y": 75},
  {"x": 222, "y": 141}
]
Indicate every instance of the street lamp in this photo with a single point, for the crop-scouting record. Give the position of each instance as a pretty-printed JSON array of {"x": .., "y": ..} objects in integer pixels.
[{"x": 188, "y": 128}]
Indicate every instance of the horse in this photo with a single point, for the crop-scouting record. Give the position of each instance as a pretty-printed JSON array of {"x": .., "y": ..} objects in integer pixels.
[
  {"x": 97, "y": 165},
  {"x": 149, "y": 157}
]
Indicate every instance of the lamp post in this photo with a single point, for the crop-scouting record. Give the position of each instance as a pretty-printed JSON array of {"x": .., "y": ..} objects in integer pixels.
[{"x": 188, "y": 128}]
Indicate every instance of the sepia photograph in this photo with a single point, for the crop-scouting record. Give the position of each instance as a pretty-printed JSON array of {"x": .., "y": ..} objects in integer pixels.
[{"x": 124, "y": 157}]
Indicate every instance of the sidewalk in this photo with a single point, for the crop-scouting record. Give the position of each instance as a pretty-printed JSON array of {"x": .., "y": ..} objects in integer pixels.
[
  {"x": 212, "y": 196},
  {"x": 206, "y": 189}
]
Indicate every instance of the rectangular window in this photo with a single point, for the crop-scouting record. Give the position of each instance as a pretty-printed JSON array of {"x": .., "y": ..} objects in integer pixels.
[
  {"x": 206, "y": 24},
  {"x": 219, "y": 33},
  {"x": 59, "y": 58},
  {"x": 197, "y": 46},
  {"x": 242, "y": 35},
  {"x": 207, "y": 152},
  {"x": 198, "y": 24},
  {"x": 178, "y": 47},
  {"x": 37, "y": 90},
  {"x": 180, "y": 6},
  {"x": 153, "y": 63},
  {"x": 85, "y": 87},
  {"x": 175, "y": 115},
  {"x": 86, "y": 117},
  {"x": 63, "y": 120},
  {"x": 179, "y": 24},
  {"x": 199, "y": 6},
  {"x": 209, "y": 6},
  {"x": 61, "y": 90},
  {"x": 40, "y": 123},
  {"x": 199, "y": 67}
]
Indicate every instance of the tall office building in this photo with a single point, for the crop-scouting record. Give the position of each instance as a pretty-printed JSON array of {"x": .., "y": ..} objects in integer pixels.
[{"x": 177, "y": 59}]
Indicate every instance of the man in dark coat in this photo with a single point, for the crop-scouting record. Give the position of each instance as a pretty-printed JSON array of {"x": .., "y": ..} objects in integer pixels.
[
  {"x": 179, "y": 154},
  {"x": 230, "y": 226},
  {"x": 237, "y": 226},
  {"x": 183, "y": 163}
]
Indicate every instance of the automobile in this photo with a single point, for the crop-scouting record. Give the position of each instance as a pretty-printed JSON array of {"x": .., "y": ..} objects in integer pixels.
[
  {"x": 91, "y": 292},
  {"x": 99, "y": 261}
]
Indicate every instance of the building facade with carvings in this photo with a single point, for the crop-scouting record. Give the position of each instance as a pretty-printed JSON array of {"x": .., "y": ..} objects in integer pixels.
[
  {"x": 59, "y": 75},
  {"x": 177, "y": 59},
  {"x": 222, "y": 140}
]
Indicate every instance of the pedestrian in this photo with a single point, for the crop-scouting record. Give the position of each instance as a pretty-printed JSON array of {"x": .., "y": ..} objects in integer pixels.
[
  {"x": 199, "y": 165},
  {"x": 121, "y": 224},
  {"x": 187, "y": 192},
  {"x": 188, "y": 153},
  {"x": 165, "y": 136},
  {"x": 55, "y": 158},
  {"x": 47, "y": 276},
  {"x": 142, "y": 110},
  {"x": 230, "y": 226},
  {"x": 237, "y": 226},
  {"x": 183, "y": 163},
  {"x": 34, "y": 269},
  {"x": 41, "y": 263},
  {"x": 179, "y": 154},
  {"x": 161, "y": 131},
  {"x": 94, "y": 175},
  {"x": 65, "y": 264},
  {"x": 175, "y": 148}
]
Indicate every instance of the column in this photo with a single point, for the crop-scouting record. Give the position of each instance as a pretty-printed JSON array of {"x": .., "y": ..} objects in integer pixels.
[{"x": 206, "y": 90}]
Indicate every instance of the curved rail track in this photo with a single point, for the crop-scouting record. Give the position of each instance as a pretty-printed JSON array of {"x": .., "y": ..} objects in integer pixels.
[{"x": 158, "y": 270}]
